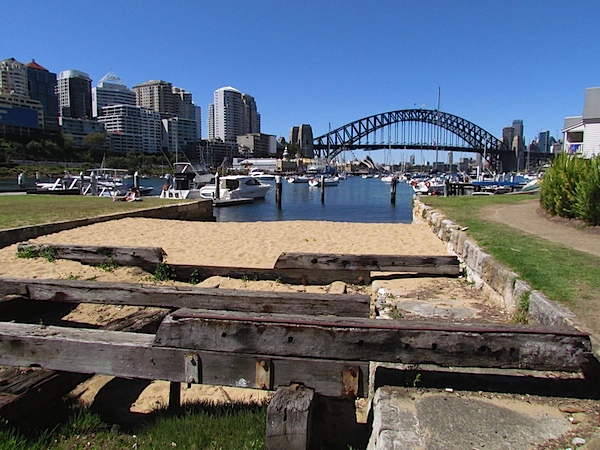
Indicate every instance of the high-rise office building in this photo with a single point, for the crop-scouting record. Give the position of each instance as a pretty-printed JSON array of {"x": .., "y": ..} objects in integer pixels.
[
  {"x": 251, "y": 115},
  {"x": 232, "y": 114},
  {"x": 111, "y": 91},
  {"x": 74, "y": 89},
  {"x": 42, "y": 87}
]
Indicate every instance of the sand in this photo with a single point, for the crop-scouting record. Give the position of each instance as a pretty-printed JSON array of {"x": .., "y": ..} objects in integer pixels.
[{"x": 236, "y": 244}]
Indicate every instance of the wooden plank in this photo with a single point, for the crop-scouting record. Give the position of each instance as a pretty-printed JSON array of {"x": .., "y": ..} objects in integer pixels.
[
  {"x": 443, "y": 344},
  {"x": 133, "y": 355},
  {"x": 289, "y": 418},
  {"x": 80, "y": 291},
  {"x": 146, "y": 257},
  {"x": 433, "y": 265}
]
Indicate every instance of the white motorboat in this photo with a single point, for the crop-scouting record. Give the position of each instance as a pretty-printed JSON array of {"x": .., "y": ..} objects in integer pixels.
[
  {"x": 186, "y": 182},
  {"x": 297, "y": 179},
  {"x": 263, "y": 176},
  {"x": 235, "y": 187},
  {"x": 328, "y": 181}
]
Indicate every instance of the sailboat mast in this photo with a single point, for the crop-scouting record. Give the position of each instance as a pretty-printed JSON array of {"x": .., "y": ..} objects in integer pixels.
[{"x": 437, "y": 120}]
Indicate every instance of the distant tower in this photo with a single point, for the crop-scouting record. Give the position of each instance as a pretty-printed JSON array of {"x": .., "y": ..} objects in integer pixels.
[
  {"x": 544, "y": 141},
  {"x": 13, "y": 78},
  {"x": 42, "y": 87},
  {"x": 228, "y": 114},
  {"x": 232, "y": 114},
  {"x": 111, "y": 91},
  {"x": 74, "y": 89},
  {"x": 156, "y": 95}
]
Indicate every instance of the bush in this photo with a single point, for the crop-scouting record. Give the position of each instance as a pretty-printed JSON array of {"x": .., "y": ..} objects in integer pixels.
[{"x": 571, "y": 188}]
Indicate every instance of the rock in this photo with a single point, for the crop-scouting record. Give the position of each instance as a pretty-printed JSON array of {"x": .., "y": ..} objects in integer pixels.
[
  {"x": 570, "y": 409},
  {"x": 337, "y": 287}
]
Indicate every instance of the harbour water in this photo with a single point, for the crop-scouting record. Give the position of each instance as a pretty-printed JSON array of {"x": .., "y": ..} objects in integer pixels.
[{"x": 355, "y": 200}]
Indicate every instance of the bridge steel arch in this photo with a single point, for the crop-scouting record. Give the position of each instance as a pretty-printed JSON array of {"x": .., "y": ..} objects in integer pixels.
[{"x": 356, "y": 135}]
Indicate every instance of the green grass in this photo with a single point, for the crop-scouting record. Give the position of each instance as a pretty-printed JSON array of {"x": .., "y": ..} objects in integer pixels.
[
  {"x": 562, "y": 274},
  {"x": 200, "y": 426},
  {"x": 26, "y": 210}
]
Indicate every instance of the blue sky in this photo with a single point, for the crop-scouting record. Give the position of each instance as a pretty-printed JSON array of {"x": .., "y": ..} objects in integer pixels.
[{"x": 331, "y": 61}]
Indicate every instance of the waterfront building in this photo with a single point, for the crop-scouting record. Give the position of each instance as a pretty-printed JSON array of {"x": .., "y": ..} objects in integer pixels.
[
  {"x": 78, "y": 129},
  {"x": 74, "y": 90},
  {"x": 111, "y": 91},
  {"x": 20, "y": 115},
  {"x": 179, "y": 134},
  {"x": 581, "y": 134},
  {"x": 42, "y": 87},
  {"x": 257, "y": 145},
  {"x": 232, "y": 114},
  {"x": 131, "y": 127}
]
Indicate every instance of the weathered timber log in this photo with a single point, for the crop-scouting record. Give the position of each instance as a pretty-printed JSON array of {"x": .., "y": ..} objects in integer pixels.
[
  {"x": 133, "y": 355},
  {"x": 290, "y": 276},
  {"x": 289, "y": 418},
  {"x": 24, "y": 392},
  {"x": 442, "y": 344},
  {"x": 80, "y": 291},
  {"x": 145, "y": 257},
  {"x": 431, "y": 265}
]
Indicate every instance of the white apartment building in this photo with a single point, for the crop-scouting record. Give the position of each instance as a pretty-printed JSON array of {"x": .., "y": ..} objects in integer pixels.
[
  {"x": 111, "y": 91},
  {"x": 232, "y": 114},
  {"x": 132, "y": 128},
  {"x": 581, "y": 134}
]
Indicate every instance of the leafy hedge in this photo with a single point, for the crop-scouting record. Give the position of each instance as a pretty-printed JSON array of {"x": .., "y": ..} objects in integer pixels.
[{"x": 571, "y": 188}]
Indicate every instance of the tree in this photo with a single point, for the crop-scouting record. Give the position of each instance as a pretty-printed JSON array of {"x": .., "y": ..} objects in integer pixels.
[{"x": 95, "y": 141}]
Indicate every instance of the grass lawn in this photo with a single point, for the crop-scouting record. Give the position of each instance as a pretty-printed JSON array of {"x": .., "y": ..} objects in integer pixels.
[
  {"x": 24, "y": 210},
  {"x": 562, "y": 274},
  {"x": 201, "y": 426}
]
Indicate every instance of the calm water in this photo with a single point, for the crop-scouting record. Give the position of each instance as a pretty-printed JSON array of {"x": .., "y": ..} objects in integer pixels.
[{"x": 354, "y": 200}]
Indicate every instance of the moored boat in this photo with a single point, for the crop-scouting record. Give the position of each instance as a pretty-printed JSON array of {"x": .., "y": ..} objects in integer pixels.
[{"x": 236, "y": 187}]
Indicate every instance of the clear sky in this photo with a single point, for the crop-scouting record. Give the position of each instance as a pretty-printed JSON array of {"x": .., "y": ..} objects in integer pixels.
[{"x": 332, "y": 62}]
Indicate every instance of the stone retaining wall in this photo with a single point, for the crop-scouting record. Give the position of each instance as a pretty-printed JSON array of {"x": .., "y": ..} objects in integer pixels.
[
  {"x": 503, "y": 285},
  {"x": 200, "y": 210}
]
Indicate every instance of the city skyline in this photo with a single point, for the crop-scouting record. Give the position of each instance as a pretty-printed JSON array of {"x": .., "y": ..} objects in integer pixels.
[{"x": 328, "y": 64}]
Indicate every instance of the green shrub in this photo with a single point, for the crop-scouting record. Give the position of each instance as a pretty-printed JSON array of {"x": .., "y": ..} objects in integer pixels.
[{"x": 587, "y": 193}]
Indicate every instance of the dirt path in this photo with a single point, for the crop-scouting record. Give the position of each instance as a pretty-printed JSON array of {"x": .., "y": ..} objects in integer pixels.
[{"x": 531, "y": 218}]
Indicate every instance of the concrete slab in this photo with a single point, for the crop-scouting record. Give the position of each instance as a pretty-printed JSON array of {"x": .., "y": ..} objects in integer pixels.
[{"x": 446, "y": 419}]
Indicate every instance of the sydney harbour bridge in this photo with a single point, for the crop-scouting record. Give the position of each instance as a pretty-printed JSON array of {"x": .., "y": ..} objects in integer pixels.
[{"x": 417, "y": 129}]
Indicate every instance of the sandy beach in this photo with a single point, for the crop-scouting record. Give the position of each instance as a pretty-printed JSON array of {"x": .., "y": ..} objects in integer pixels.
[{"x": 236, "y": 244}]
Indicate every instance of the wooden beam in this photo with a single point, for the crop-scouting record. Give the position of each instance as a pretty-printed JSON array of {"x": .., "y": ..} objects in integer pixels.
[
  {"x": 410, "y": 342},
  {"x": 431, "y": 265},
  {"x": 145, "y": 257},
  {"x": 80, "y": 291},
  {"x": 290, "y": 276},
  {"x": 133, "y": 355}
]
